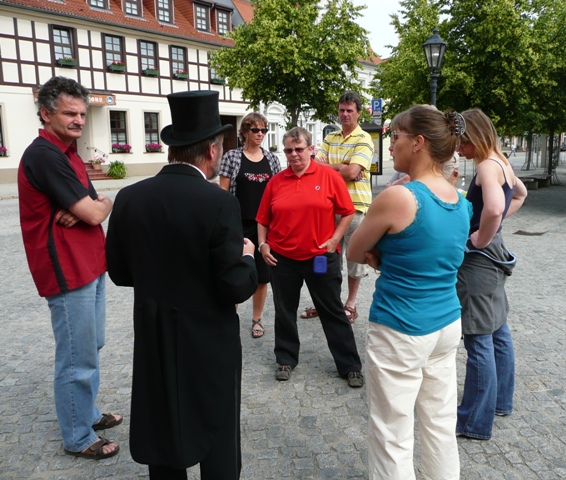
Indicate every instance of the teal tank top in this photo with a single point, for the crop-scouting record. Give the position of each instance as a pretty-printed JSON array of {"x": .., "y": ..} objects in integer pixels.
[{"x": 416, "y": 291}]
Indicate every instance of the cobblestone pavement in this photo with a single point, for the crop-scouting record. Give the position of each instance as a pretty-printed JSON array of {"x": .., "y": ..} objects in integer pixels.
[{"x": 312, "y": 426}]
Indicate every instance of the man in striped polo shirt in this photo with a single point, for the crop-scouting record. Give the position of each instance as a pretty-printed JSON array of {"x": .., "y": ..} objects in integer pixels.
[{"x": 350, "y": 151}]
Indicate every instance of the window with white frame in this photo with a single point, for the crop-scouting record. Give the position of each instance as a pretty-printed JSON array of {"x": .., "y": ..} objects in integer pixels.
[
  {"x": 178, "y": 60},
  {"x": 113, "y": 50},
  {"x": 151, "y": 122},
  {"x": 118, "y": 133},
  {"x": 272, "y": 136},
  {"x": 62, "y": 39},
  {"x": 132, "y": 7},
  {"x": 148, "y": 58},
  {"x": 164, "y": 11},
  {"x": 98, "y": 3},
  {"x": 202, "y": 17},
  {"x": 222, "y": 21}
]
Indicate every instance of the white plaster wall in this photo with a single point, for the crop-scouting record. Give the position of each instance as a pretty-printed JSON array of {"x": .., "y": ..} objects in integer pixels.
[{"x": 19, "y": 121}]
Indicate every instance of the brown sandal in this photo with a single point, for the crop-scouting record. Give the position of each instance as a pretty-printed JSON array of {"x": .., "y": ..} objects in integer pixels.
[
  {"x": 108, "y": 420},
  {"x": 257, "y": 333},
  {"x": 351, "y": 314},
  {"x": 309, "y": 313},
  {"x": 96, "y": 450}
]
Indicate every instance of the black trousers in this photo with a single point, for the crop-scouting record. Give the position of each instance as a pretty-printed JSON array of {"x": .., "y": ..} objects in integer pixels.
[{"x": 286, "y": 281}]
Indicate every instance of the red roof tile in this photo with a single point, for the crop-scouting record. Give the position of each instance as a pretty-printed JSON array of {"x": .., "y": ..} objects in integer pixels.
[
  {"x": 183, "y": 25},
  {"x": 246, "y": 10}
]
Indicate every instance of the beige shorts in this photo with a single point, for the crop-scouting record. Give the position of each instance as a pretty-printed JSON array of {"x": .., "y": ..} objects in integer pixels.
[{"x": 355, "y": 270}]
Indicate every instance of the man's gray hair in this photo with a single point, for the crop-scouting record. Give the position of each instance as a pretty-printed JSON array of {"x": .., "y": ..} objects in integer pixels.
[{"x": 49, "y": 93}]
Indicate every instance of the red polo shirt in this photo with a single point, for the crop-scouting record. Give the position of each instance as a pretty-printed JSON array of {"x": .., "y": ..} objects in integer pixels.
[
  {"x": 299, "y": 211},
  {"x": 52, "y": 176}
]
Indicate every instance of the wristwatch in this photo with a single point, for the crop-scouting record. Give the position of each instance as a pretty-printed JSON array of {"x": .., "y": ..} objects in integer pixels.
[{"x": 261, "y": 245}]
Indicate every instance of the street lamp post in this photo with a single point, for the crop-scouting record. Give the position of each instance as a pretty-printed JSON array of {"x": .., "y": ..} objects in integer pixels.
[{"x": 434, "y": 49}]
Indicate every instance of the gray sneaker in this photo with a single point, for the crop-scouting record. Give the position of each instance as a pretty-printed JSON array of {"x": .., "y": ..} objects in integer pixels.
[
  {"x": 355, "y": 379},
  {"x": 283, "y": 373}
]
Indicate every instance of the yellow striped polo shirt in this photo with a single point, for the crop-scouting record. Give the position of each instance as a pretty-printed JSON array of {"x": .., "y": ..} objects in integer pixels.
[{"x": 355, "y": 148}]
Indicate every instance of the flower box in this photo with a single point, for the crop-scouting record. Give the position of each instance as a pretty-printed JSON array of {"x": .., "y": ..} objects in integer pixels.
[
  {"x": 4, "y": 152},
  {"x": 67, "y": 62},
  {"x": 151, "y": 72},
  {"x": 181, "y": 75},
  {"x": 218, "y": 81},
  {"x": 121, "y": 148},
  {"x": 117, "y": 67},
  {"x": 153, "y": 148}
]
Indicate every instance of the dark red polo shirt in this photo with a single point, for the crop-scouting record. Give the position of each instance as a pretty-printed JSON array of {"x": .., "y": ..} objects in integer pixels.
[
  {"x": 52, "y": 176},
  {"x": 299, "y": 211}
]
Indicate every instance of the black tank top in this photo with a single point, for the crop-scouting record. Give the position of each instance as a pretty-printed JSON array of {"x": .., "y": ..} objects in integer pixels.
[{"x": 475, "y": 196}]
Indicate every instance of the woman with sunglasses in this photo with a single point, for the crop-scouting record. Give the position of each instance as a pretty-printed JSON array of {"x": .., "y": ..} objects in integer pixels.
[
  {"x": 415, "y": 234},
  {"x": 245, "y": 172},
  {"x": 495, "y": 193},
  {"x": 300, "y": 241}
]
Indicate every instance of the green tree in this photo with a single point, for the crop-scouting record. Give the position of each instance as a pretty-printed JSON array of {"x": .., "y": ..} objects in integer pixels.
[
  {"x": 404, "y": 78},
  {"x": 293, "y": 54},
  {"x": 490, "y": 60},
  {"x": 549, "y": 87}
]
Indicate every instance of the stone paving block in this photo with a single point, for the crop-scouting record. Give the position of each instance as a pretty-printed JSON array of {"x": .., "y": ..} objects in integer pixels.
[{"x": 312, "y": 426}]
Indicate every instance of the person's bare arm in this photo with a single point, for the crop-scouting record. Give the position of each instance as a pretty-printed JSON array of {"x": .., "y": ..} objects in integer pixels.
[
  {"x": 90, "y": 211},
  {"x": 224, "y": 183},
  {"x": 519, "y": 195},
  {"x": 339, "y": 232},
  {"x": 493, "y": 203},
  {"x": 352, "y": 171},
  {"x": 66, "y": 219},
  {"x": 265, "y": 249},
  {"x": 390, "y": 212}
]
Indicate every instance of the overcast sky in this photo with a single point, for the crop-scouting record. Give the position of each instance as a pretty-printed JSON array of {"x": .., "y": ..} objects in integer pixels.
[{"x": 376, "y": 19}]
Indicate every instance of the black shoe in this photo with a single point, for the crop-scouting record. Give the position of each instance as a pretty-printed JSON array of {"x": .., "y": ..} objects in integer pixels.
[
  {"x": 355, "y": 379},
  {"x": 283, "y": 373}
]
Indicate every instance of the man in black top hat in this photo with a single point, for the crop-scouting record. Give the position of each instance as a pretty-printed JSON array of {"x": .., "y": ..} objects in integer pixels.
[{"x": 177, "y": 239}]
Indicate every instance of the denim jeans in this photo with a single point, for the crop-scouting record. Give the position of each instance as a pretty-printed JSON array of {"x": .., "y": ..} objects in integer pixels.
[
  {"x": 78, "y": 319},
  {"x": 489, "y": 384}
]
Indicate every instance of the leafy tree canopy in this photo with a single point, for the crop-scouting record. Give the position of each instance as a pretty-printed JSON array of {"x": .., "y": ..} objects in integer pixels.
[
  {"x": 503, "y": 56},
  {"x": 296, "y": 55}
]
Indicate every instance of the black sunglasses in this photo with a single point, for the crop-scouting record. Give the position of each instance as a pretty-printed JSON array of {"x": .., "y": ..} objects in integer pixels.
[
  {"x": 289, "y": 151},
  {"x": 257, "y": 130}
]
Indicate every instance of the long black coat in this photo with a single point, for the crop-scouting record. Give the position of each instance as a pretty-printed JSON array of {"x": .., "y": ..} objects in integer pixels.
[{"x": 177, "y": 239}]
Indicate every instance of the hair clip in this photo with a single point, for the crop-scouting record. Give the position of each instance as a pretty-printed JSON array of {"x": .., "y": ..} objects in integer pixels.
[{"x": 460, "y": 124}]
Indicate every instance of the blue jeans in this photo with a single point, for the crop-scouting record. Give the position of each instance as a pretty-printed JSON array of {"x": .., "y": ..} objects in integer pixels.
[
  {"x": 78, "y": 319},
  {"x": 489, "y": 384}
]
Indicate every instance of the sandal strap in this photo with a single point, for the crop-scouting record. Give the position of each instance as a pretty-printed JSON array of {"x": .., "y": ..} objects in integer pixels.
[{"x": 97, "y": 446}]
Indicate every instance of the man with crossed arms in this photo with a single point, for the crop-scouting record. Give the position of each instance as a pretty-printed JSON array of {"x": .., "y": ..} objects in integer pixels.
[{"x": 349, "y": 151}]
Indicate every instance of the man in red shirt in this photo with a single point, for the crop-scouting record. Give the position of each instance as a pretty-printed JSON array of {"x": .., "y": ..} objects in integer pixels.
[{"x": 60, "y": 217}]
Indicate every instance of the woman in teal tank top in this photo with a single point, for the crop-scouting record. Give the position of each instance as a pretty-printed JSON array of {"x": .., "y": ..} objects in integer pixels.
[{"x": 415, "y": 234}]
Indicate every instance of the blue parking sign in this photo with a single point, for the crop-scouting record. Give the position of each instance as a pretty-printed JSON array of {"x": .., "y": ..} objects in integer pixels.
[{"x": 376, "y": 104}]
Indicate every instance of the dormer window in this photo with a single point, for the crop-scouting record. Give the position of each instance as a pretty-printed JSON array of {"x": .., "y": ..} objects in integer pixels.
[
  {"x": 98, "y": 3},
  {"x": 164, "y": 11},
  {"x": 223, "y": 21},
  {"x": 133, "y": 7},
  {"x": 202, "y": 17}
]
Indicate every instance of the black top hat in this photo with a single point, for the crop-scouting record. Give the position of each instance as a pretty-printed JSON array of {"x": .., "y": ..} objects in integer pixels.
[{"x": 195, "y": 117}]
